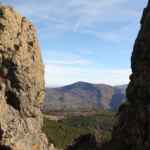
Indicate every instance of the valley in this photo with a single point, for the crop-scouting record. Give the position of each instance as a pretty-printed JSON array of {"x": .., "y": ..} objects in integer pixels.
[{"x": 62, "y": 132}]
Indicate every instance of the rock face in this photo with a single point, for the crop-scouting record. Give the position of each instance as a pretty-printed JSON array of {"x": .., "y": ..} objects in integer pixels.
[
  {"x": 132, "y": 131},
  {"x": 21, "y": 84}
]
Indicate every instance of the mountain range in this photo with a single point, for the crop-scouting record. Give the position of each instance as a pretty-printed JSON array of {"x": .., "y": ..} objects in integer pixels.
[{"x": 84, "y": 96}]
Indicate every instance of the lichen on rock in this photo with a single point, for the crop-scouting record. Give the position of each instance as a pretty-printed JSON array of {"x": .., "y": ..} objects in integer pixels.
[{"x": 21, "y": 84}]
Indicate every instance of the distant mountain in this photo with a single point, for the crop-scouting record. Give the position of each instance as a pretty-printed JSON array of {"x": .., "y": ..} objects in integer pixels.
[
  {"x": 122, "y": 87},
  {"x": 84, "y": 96}
]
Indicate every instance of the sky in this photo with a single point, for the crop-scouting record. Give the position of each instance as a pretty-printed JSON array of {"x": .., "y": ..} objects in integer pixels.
[{"x": 84, "y": 40}]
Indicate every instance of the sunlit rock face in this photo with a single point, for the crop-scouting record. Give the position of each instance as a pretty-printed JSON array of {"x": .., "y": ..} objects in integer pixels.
[
  {"x": 21, "y": 84},
  {"x": 132, "y": 131}
]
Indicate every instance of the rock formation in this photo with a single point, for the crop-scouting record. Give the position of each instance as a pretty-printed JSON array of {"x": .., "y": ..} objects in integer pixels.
[
  {"x": 132, "y": 131},
  {"x": 21, "y": 84}
]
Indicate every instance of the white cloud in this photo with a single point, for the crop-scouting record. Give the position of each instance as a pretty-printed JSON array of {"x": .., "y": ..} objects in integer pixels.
[{"x": 57, "y": 75}]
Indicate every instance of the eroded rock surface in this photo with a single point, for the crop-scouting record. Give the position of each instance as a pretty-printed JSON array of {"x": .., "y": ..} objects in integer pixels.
[
  {"x": 21, "y": 84},
  {"x": 132, "y": 131}
]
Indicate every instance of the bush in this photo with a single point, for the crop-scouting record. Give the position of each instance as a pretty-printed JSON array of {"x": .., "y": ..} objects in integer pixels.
[{"x": 62, "y": 133}]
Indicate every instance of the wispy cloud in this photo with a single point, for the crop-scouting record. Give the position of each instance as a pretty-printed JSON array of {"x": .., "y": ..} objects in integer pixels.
[
  {"x": 122, "y": 34},
  {"x": 56, "y": 57},
  {"x": 68, "y": 62},
  {"x": 108, "y": 21},
  {"x": 73, "y": 15}
]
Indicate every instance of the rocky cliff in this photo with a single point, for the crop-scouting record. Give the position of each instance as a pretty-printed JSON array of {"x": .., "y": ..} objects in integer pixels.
[
  {"x": 132, "y": 131},
  {"x": 21, "y": 84}
]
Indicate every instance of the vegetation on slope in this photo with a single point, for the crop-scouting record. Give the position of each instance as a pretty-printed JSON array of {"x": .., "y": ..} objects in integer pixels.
[{"x": 62, "y": 133}]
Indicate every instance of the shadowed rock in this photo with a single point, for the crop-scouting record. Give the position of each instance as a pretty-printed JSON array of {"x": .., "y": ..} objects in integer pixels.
[
  {"x": 132, "y": 131},
  {"x": 84, "y": 142}
]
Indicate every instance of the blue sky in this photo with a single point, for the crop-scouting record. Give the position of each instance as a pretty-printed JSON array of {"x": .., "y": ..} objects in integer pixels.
[{"x": 84, "y": 40}]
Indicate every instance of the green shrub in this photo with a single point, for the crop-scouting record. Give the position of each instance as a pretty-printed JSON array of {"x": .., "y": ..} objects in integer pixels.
[{"x": 62, "y": 133}]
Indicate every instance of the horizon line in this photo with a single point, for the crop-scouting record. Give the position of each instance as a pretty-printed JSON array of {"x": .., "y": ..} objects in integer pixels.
[{"x": 62, "y": 85}]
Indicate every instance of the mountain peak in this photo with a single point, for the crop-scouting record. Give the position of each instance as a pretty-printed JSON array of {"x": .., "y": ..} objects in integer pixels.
[{"x": 83, "y": 95}]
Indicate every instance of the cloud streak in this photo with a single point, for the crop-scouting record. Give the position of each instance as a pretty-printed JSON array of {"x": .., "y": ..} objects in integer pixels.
[
  {"x": 99, "y": 21},
  {"x": 73, "y": 15}
]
